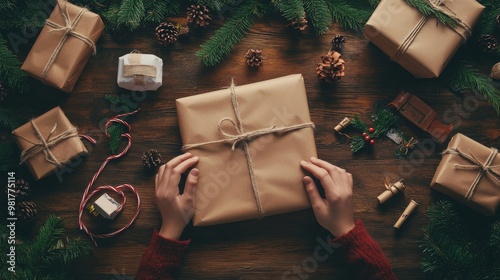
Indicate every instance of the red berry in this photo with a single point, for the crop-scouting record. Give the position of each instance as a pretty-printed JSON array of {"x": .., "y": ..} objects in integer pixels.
[
  {"x": 371, "y": 129},
  {"x": 372, "y": 142},
  {"x": 367, "y": 138},
  {"x": 364, "y": 134}
]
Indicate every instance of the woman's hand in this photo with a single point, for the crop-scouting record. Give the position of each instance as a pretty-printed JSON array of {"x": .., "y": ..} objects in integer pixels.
[
  {"x": 335, "y": 213},
  {"x": 176, "y": 209}
]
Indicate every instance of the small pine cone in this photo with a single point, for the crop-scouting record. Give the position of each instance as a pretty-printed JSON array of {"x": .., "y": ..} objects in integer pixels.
[
  {"x": 26, "y": 212},
  {"x": 299, "y": 25},
  {"x": 487, "y": 43},
  {"x": 166, "y": 33},
  {"x": 254, "y": 58},
  {"x": 198, "y": 16},
  {"x": 3, "y": 92},
  {"x": 331, "y": 68},
  {"x": 183, "y": 31},
  {"x": 151, "y": 159},
  {"x": 338, "y": 43},
  {"x": 20, "y": 190}
]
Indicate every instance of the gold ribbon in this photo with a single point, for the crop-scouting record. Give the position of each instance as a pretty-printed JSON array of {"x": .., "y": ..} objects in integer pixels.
[
  {"x": 245, "y": 138},
  {"x": 404, "y": 146},
  {"x": 484, "y": 168},
  {"x": 44, "y": 145},
  {"x": 67, "y": 28},
  {"x": 439, "y": 6},
  {"x": 137, "y": 70}
]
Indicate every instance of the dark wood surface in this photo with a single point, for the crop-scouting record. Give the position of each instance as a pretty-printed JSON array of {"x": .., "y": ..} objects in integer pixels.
[{"x": 263, "y": 249}]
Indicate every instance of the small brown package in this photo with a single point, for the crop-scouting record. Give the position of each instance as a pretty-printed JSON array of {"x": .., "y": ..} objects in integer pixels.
[
  {"x": 225, "y": 191},
  {"x": 64, "y": 46},
  {"x": 48, "y": 142},
  {"x": 422, "y": 45},
  {"x": 470, "y": 173}
]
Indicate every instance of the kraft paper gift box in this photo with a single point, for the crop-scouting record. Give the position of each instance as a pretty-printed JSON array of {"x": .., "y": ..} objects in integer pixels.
[
  {"x": 422, "y": 45},
  {"x": 209, "y": 128},
  {"x": 470, "y": 173},
  {"x": 54, "y": 129},
  {"x": 140, "y": 72},
  {"x": 64, "y": 46}
]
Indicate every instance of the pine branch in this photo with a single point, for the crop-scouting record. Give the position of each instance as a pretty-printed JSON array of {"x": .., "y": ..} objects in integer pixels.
[
  {"x": 131, "y": 14},
  {"x": 290, "y": 9},
  {"x": 9, "y": 119},
  {"x": 223, "y": 41},
  {"x": 461, "y": 78},
  {"x": 219, "y": 5},
  {"x": 358, "y": 124},
  {"x": 157, "y": 10},
  {"x": 347, "y": 16},
  {"x": 427, "y": 10},
  {"x": 10, "y": 69},
  {"x": 318, "y": 12},
  {"x": 382, "y": 119},
  {"x": 115, "y": 130}
]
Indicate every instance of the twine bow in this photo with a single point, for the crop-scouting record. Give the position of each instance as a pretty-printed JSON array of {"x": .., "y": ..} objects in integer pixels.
[
  {"x": 394, "y": 188},
  {"x": 404, "y": 146},
  {"x": 244, "y": 138},
  {"x": 67, "y": 28},
  {"x": 484, "y": 168},
  {"x": 440, "y": 6},
  {"x": 44, "y": 145}
]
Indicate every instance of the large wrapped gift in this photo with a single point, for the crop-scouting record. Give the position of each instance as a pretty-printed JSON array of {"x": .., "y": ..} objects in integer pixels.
[
  {"x": 140, "y": 72},
  {"x": 48, "y": 142},
  {"x": 421, "y": 44},
  {"x": 64, "y": 45},
  {"x": 470, "y": 173},
  {"x": 250, "y": 140}
]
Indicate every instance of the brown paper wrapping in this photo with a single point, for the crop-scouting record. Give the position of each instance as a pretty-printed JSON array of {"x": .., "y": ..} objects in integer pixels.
[
  {"x": 74, "y": 54},
  {"x": 456, "y": 182},
  {"x": 224, "y": 192},
  {"x": 394, "y": 20},
  {"x": 63, "y": 151}
]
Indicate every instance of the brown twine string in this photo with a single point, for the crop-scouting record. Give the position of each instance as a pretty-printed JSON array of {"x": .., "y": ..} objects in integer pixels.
[
  {"x": 404, "y": 146},
  {"x": 68, "y": 31},
  {"x": 484, "y": 168},
  {"x": 244, "y": 138},
  {"x": 440, "y": 6},
  {"x": 44, "y": 145}
]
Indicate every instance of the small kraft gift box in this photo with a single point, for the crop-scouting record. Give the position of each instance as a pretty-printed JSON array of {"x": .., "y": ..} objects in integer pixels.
[
  {"x": 469, "y": 172},
  {"x": 421, "y": 44},
  {"x": 140, "y": 72},
  {"x": 250, "y": 140},
  {"x": 48, "y": 142},
  {"x": 64, "y": 46}
]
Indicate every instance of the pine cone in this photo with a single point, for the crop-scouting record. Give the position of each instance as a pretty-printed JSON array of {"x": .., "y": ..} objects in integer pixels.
[
  {"x": 20, "y": 190},
  {"x": 183, "y": 31},
  {"x": 254, "y": 57},
  {"x": 166, "y": 33},
  {"x": 198, "y": 16},
  {"x": 299, "y": 25},
  {"x": 151, "y": 159},
  {"x": 487, "y": 43},
  {"x": 338, "y": 42},
  {"x": 26, "y": 212},
  {"x": 331, "y": 67},
  {"x": 3, "y": 92}
]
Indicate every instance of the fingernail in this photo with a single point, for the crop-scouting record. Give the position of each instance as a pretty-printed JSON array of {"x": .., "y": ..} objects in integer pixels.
[
  {"x": 195, "y": 172},
  {"x": 313, "y": 158},
  {"x": 302, "y": 162},
  {"x": 307, "y": 180}
]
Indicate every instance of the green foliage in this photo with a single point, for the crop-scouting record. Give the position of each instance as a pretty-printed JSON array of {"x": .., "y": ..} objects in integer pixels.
[
  {"x": 9, "y": 119},
  {"x": 348, "y": 16},
  {"x": 426, "y": 9},
  {"x": 319, "y": 15},
  {"x": 157, "y": 10},
  {"x": 48, "y": 256},
  {"x": 462, "y": 78},
  {"x": 9, "y": 156},
  {"x": 122, "y": 105},
  {"x": 234, "y": 30},
  {"x": 290, "y": 9},
  {"x": 457, "y": 246},
  {"x": 383, "y": 119},
  {"x": 10, "y": 68}
]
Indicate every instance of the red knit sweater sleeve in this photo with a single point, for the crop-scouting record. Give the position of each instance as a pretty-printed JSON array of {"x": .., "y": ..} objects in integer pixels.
[
  {"x": 162, "y": 258},
  {"x": 363, "y": 255}
]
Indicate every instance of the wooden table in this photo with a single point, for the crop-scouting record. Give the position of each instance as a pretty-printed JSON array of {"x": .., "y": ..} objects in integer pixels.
[{"x": 268, "y": 248}]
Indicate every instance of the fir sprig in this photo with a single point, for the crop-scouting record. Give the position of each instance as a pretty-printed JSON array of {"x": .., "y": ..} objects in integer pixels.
[
  {"x": 290, "y": 9},
  {"x": 10, "y": 69},
  {"x": 348, "y": 16},
  {"x": 319, "y": 14},
  {"x": 462, "y": 78},
  {"x": 382, "y": 119},
  {"x": 131, "y": 13},
  {"x": 453, "y": 251},
  {"x": 9, "y": 119},
  {"x": 115, "y": 130},
  {"x": 236, "y": 27},
  {"x": 427, "y": 10}
]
